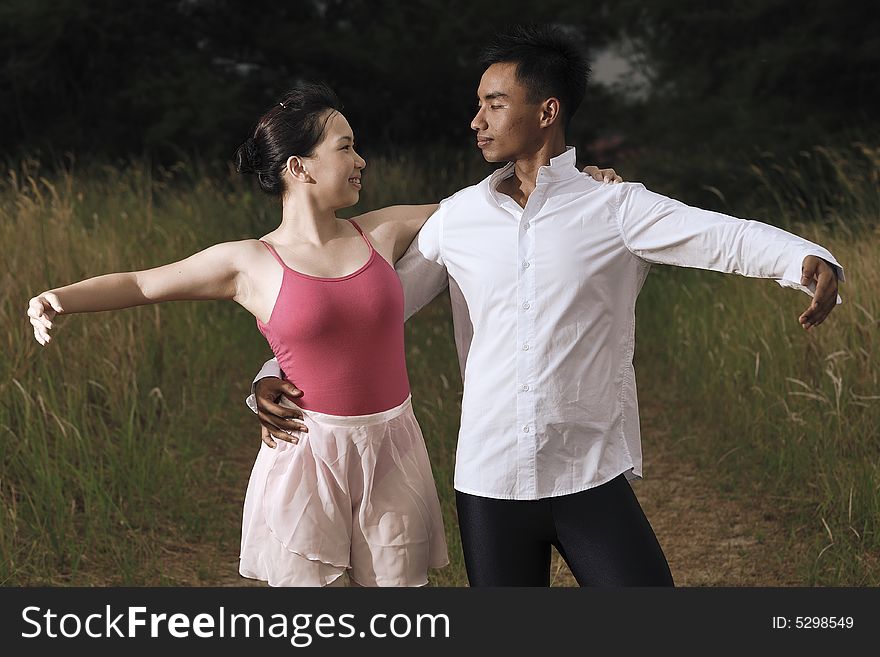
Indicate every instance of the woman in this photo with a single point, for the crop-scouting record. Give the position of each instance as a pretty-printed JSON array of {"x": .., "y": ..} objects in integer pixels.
[{"x": 355, "y": 493}]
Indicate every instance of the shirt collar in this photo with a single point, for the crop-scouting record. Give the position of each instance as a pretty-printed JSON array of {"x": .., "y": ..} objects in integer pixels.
[{"x": 561, "y": 167}]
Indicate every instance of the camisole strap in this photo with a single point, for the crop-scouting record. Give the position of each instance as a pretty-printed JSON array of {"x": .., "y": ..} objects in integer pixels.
[
  {"x": 274, "y": 254},
  {"x": 366, "y": 239}
]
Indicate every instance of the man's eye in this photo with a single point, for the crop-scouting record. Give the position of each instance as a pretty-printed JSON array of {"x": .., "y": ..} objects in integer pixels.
[{"x": 496, "y": 106}]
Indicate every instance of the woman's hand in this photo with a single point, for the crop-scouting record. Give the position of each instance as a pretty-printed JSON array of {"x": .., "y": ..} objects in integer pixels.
[
  {"x": 42, "y": 309},
  {"x": 603, "y": 175}
]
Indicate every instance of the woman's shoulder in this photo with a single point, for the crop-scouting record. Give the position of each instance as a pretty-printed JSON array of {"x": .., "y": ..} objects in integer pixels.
[
  {"x": 239, "y": 253},
  {"x": 249, "y": 246}
]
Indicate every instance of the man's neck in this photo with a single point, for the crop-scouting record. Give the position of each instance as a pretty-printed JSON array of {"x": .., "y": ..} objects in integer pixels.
[{"x": 522, "y": 183}]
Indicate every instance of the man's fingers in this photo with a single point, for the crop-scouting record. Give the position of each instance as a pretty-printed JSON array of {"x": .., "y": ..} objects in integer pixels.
[
  {"x": 271, "y": 407},
  {"x": 808, "y": 269},
  {"x": 290, "y": 391},
  {"x": 276, "y": 413},
  {"x": 817, "y": 312},
  {"x": 824, "y": 298},
  {"x": 820, "y": 296},
  {"x": 273, "y": 422},
  {"x": 270, "y": 436},
  {"x": 278, "y": 434},
  {"x": 266, "y": 437}
]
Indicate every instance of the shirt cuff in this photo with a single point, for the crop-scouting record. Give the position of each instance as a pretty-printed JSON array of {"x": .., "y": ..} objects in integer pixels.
[
  {"x": 270, "y": 368},
  {"x": 792, "y": 276}
]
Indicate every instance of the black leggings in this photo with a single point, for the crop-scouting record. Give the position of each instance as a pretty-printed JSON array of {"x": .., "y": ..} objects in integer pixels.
[{"x": 602, "y": 533}]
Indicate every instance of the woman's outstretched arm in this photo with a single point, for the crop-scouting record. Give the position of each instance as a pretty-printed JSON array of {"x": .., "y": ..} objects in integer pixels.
[{"x": 210, "y": 274}]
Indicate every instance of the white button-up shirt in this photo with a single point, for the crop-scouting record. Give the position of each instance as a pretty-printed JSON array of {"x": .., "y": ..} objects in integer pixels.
[{"x": 543, "y": 304}]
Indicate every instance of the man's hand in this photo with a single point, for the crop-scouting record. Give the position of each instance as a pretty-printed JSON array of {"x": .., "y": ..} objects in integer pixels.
[
  {"x": 603, "y": 175},
  {"x": 825, "y": 296},
  {"x": 278, "y": 421}
]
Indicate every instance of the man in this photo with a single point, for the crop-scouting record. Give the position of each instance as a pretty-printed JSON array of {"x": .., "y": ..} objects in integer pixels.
[{"x": 544, "y": 267}]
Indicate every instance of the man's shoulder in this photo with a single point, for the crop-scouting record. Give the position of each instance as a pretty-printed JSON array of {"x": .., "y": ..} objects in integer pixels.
[{"x": 472, "y": 193}]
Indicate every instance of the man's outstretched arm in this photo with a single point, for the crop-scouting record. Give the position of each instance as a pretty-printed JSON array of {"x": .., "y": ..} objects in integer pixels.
[{"x": 664, "y": 231}]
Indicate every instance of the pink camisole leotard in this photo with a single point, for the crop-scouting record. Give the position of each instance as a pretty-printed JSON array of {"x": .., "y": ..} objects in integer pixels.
[{"x": 340, "y": 340}]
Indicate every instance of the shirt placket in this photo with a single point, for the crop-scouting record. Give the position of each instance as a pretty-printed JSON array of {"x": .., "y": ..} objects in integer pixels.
[{"x": 527, "y": 350}]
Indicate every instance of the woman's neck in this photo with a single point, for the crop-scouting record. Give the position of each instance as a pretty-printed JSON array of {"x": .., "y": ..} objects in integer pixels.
[{"x": 304, "y": 221}]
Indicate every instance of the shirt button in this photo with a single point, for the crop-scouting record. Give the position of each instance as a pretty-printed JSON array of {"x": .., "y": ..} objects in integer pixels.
[
  {"x": 526, "y": 305},
  {"x": 525, "y": 346},
  {"x": 525, "y": 387},
  {"x": 526, "y": 429},
  {"x": 526, "y": 265},
  {"x": 527, "y": 226}
]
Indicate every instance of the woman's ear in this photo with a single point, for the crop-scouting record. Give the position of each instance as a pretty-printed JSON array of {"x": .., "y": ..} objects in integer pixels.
[{"x": 296, "y": 167}]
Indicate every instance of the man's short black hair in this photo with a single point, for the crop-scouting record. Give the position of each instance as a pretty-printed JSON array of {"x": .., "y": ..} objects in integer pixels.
[{"x": 549, "y": 62}]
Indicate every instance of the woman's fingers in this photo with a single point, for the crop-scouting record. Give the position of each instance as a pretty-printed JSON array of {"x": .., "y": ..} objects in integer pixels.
[
  {"x": 41, "y": 313},
  {"x": 42, "y": 322},
  {"x": 39, "y": 338},
  {"x": 54, "y": 302},
  {"x": 610, "y": 176}
]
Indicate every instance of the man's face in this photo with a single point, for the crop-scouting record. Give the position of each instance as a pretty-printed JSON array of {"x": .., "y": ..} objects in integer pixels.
[{"x": 507, "y": 125}]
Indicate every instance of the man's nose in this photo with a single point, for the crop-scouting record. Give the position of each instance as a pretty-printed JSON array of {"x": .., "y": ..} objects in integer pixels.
[{"x": 478, "y": 121}]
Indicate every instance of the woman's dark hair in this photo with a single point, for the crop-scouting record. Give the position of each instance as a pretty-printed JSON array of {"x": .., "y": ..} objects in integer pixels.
[
  {"x": 294, "y": 126},
  {"x": 549, "y": 62}
]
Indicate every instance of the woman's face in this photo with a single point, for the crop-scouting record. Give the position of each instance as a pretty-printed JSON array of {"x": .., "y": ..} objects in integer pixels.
[{"x": 335, "y": 166}]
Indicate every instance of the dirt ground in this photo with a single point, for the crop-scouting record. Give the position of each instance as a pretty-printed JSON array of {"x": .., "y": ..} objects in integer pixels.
[{"x": 709, "y": 539}]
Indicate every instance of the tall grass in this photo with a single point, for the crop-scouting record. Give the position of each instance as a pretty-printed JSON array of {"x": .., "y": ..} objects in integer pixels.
[
  {"x": 771, "y": 410},
  {"x": 102, "y": 431}
]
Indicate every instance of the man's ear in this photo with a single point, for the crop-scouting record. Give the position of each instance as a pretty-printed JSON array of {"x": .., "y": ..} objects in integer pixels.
[
  {"x": 550, "y": 112},
  {"x": 296, "y": 167}
]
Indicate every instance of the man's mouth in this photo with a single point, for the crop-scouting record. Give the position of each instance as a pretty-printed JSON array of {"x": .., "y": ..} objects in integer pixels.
[{"x": 482, "y": 141}]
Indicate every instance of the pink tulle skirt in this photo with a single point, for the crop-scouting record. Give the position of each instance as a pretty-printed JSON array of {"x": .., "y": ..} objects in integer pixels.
[{"x": 356, "y": 493}]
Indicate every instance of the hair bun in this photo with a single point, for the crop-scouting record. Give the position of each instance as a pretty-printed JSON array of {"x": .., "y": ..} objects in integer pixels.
[{"x": 247, "y": 157}]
